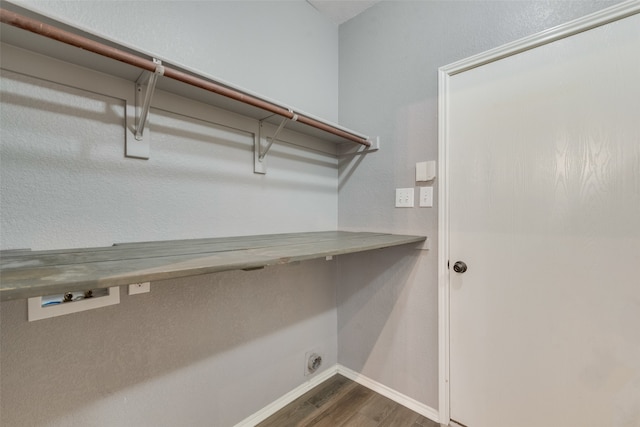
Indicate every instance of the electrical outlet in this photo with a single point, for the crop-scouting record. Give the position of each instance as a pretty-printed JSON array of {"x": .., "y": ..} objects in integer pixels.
[
  {"x": 312, "y": 362},
  {"x": 404, "y": 197},
  {"x": 426, "y": 197},
  {"x": 139, "y": 288}
]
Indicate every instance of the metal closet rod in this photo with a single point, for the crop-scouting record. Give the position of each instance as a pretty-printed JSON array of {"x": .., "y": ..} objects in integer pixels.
[{"x": 38, "y": 27}]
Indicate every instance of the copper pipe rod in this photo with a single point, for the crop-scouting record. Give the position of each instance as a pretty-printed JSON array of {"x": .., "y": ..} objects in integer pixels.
[{"x": 37, "y": 27}]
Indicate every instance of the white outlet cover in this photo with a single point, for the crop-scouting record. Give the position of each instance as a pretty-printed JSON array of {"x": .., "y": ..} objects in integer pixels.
[{"x": 139, "y": 288}]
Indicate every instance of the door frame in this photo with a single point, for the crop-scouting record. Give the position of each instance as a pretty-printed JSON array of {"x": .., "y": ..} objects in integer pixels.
[{"x": 445, "y": 73}]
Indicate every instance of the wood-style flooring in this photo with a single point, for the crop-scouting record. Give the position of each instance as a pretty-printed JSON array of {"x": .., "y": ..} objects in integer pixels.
[{"x": 340, "y": 402}]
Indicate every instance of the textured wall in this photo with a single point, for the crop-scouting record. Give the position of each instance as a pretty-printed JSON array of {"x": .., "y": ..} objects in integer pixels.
[
  {"x": 202, "y": 351},
  {"x": 65, "y": 182},
  {"x": 282, "y": 50},
  {"x": 189, "y": 347},
  {"x": 389, "y": 57}
]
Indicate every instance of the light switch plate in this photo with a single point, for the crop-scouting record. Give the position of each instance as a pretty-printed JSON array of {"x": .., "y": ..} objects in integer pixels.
[
  {"x": 404, "y": 197},
  {"x": 426, "y": 197}
]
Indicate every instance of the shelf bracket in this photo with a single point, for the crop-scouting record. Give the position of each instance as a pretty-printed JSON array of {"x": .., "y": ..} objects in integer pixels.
[
  {"x": 260, "y": 151},
  {"x": 140, "y": 148},
  {"x": 375, "y": 146},
  {"x": 141, "y": 116}
]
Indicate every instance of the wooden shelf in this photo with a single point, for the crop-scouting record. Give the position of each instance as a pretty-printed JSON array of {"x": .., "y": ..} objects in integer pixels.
[{"x": 25, "y": 274}]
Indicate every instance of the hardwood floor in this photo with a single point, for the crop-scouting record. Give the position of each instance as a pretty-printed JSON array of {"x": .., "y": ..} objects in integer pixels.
[{"x": 340, "y": 402}]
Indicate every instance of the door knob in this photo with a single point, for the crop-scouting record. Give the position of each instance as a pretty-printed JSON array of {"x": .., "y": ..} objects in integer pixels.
[{"x": 459, "y": 267}]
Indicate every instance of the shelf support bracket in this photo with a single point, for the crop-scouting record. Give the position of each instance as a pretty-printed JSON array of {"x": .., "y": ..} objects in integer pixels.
[
  {"x": 375, "y": 146},
  {"x": 141, "y": 118},
  {"x": 260, "y": 153},
  {"x": 140, "y": 148}
]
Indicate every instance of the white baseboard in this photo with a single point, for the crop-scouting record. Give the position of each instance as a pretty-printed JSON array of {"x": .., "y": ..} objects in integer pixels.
[
  {"x": 275, "y": 406},
  {"x": 382, "y": 389},
  {"x": 390, "y": 393}
]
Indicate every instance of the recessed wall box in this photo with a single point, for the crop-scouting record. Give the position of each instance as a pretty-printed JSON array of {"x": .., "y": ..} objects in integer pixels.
[{"x": 71, "y": 302}]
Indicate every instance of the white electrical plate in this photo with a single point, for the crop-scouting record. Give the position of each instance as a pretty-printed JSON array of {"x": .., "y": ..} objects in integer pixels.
[
  {"x": 426, "y": 171},
  {"x": 426, "y": 197},
  {"x": 404, "y": 197},
  {"x": 36, "y": 310},
  {"x": 139, "y": 288}
]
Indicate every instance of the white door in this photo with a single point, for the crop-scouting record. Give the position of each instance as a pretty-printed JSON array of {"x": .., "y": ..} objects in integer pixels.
[{"x": 544, "y": 209}]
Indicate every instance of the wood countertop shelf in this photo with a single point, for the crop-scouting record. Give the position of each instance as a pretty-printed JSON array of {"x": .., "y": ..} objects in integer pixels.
[{"x": 25, "y": 274}]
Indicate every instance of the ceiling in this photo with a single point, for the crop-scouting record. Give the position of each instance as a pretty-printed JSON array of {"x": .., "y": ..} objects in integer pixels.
[{"x": 340, "y": 11}]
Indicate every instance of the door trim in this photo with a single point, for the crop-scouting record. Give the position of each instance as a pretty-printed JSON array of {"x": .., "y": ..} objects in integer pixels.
[{"x": 603, "y": 17}]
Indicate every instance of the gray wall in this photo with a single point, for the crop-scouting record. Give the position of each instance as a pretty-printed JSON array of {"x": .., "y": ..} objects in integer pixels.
[
  {"x": 202, "y": 351},
  {"x": 282, "y": 50},
  {"x": 389, "y": 56},
  {"x": 214, "y": 349}
]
